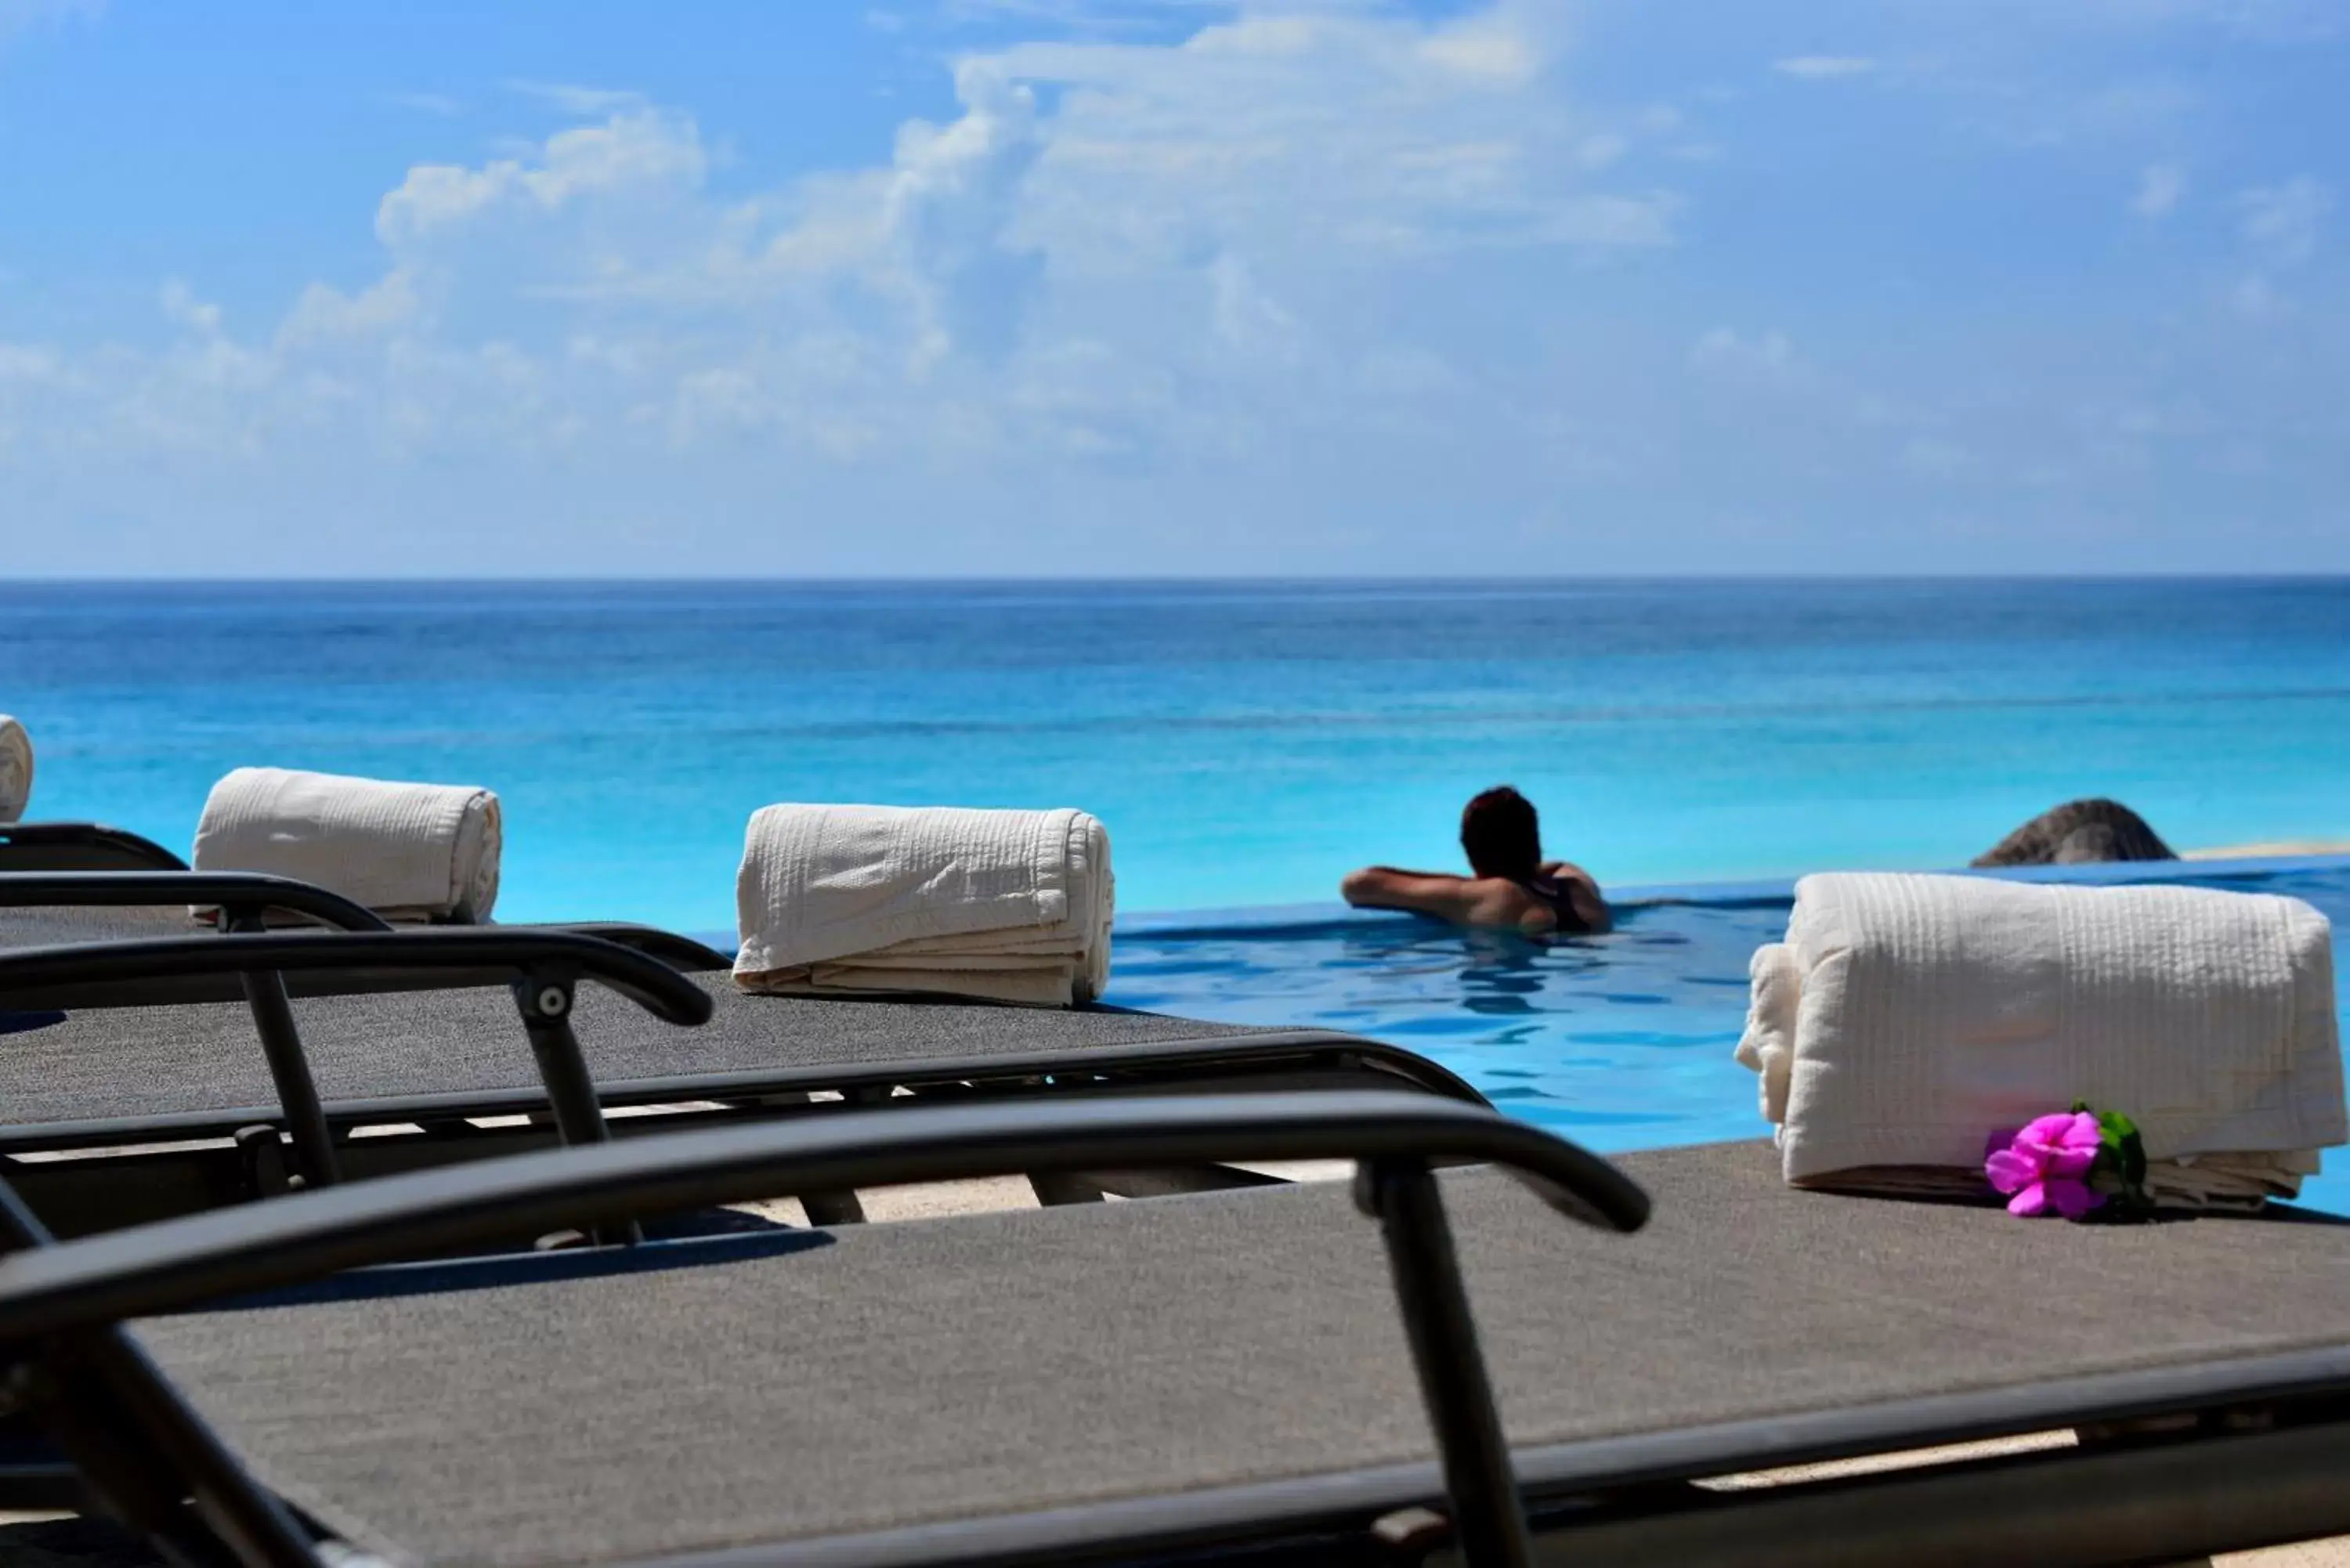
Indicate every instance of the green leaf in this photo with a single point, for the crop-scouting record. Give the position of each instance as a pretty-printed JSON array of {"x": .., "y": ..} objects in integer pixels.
[
  {"x": 2120, "y": 1165},
  {"x": 2118, "y": 1171}
]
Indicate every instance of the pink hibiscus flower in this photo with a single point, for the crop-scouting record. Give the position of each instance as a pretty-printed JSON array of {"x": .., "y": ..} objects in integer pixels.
[{"x": 2046, "y": 1165}]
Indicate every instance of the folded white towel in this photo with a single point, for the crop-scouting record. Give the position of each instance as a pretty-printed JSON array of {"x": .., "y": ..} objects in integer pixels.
[
  {"x": 1009, "y": 906},
  {"x": 1906, "y": 1018},
  {"x": 15, "y": 769},
  {"x": 408, "y": 851}
]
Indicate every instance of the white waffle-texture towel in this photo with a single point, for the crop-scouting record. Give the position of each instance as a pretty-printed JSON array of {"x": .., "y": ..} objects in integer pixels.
[
  {"x": 408, "y": 851},
  {"x": 1907, "y": 1018},
  {"x": 1004, "y": 906},
  {"x": 15, "y": 769}
]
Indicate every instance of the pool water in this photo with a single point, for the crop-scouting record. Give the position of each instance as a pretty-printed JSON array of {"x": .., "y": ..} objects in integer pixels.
[{"x": 1619, "y": 1041}]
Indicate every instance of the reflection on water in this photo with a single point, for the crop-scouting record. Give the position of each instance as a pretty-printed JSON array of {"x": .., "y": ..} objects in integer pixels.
[
  {"x": 1500, "y": 978},
  {"x": 1622, "y": 1038}
]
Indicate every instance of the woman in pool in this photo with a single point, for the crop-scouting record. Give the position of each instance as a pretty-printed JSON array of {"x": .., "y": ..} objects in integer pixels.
[{"x": 1509, "y": 884}]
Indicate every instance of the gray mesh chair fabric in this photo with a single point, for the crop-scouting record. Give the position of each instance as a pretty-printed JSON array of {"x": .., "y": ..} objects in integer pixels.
[
  {"x": 47, "y": 927},
  {"x": 158, "y": 1060},
  {"x": 1028, "y": 1381}
]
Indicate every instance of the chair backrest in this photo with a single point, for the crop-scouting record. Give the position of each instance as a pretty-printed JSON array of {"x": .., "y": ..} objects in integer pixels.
[
  {"x": 80, "y": 846},
  {"x": 540, "y": 967},
  {"x": 243, "y": 897}
]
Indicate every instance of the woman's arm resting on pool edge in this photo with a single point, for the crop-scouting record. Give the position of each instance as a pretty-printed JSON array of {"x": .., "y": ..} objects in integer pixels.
[{"x": 1434, "y": 893}]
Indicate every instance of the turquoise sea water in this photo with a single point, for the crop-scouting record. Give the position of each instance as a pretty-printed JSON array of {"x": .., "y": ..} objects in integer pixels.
[{"x": 1247, "y": 743}]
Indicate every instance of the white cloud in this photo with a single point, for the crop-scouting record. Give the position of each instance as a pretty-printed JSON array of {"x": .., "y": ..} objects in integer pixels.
[
  {"x": 183, "y": 309},
  {"x": 28, "y": 362},
  {"x": 1599, "y": 151},
  {"x": 1240, "y": 262},
  {"x": 325, "y": 315},
  {"x": 2253, "y": 21},
  {"x": 1490, "y": 48},
  {"x": 2031, "y": 114},
  {"x": 24, "y": 16},
  {"x": 1936, "y": 458},
  {"x": 1351, "y": 133},
  {"x": 2281, "y": 222},
  {"x": 1088, "y": 18},
  {"x": 1217, "y": 291},
  {"x": 2130, "y": 109},
  {"x": 1764, "y": 359},
  {"x": 572, "y": 98},
  {"x": 638, "y": 150},
  {"x": 440, "y": 105},
  {"x": 951, "y": 195},
  {"x": 2159, "y": 187},
  {"x": 722, "y": 401},
  {"x": 2255, "y": 296},
  {"x": 1823, "y": 68},
  {"x": 1246, "y": 316}
]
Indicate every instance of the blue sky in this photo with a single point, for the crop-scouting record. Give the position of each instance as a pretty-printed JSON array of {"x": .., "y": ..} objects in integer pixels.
[{"x": 1045, "y": 288}]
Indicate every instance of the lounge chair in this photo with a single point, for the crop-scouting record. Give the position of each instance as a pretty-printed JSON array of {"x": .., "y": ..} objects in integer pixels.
[
  {"x": 539, "y": 967},
  {"x": 108, "y": 1053},
  {"x": 46, "y": 909},
  {"x": 1193, "y": 1379},
  {"x": 80, "y": 846}
]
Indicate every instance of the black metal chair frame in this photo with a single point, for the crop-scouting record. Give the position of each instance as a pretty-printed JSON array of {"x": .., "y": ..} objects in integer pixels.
[
  {"x": 80, "y": 846},
  {"x": 157, "y": 1181},
  {"x": 139, "y": 1448}
]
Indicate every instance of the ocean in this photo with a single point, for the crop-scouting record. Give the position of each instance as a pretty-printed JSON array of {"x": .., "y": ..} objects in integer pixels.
[{"x": 1247, "y": 742}]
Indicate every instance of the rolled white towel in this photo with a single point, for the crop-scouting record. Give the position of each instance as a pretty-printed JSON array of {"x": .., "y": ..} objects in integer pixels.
[
  {"x": 1907, "y": 1018},
  {"x": 15, "y": 769},
  {"x": 408, "y": 851},
  {"x": 1008, "y": 906}
]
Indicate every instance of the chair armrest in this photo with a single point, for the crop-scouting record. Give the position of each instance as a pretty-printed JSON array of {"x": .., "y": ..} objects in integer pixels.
[
  {"x": 677, "y": 951},
  {"x": 48, "y": 977},
  {"x": 166, "y": 1267},
  {"x": 238, "y": 892},
  {"x": 80, "y": 846}
]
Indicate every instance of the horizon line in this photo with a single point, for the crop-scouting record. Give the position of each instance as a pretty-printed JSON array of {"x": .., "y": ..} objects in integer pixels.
[{"x": 1383, "y": 579}]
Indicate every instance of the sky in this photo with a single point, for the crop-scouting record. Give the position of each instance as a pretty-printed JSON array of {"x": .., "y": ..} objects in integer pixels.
[{"x": 1174, "y": 287}]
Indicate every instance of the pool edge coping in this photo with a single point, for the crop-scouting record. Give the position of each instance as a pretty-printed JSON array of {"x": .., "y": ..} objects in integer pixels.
[{"x": 1264, "y": 919}]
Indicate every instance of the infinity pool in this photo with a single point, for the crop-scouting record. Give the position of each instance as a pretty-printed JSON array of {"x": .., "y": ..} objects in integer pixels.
[{"x": 1619, "y": 1041}]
